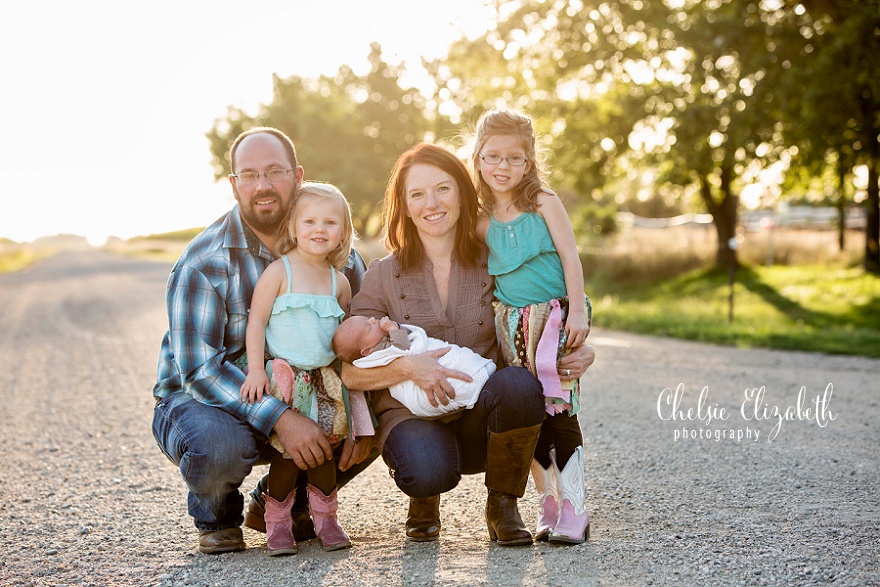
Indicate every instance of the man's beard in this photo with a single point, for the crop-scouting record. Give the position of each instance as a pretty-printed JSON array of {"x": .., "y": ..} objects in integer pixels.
[{"x": 266, "y": 222}]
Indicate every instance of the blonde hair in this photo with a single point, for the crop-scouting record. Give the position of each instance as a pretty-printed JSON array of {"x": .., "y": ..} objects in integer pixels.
[
  {"x": 503, "y": 122},
  {"x": 313, "y": 189}
]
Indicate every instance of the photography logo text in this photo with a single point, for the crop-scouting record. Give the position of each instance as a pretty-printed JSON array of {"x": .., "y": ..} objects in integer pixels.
[{"x": 756, "y": 418}]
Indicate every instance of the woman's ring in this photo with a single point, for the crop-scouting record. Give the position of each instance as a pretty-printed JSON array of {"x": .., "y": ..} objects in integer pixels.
[{"x": 568, "y": 372}]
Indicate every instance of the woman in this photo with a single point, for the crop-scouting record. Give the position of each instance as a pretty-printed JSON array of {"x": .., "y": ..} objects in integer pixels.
[{"x": 436, "y": 278}]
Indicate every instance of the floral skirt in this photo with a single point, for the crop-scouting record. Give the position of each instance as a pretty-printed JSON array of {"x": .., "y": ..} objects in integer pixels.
[
  {"x": 316, "y": 393},
  {"x": 534, "y": 337}
]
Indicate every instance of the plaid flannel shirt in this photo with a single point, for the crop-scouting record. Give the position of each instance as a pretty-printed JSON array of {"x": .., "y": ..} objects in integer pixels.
[{"x": 208, "y": 296}]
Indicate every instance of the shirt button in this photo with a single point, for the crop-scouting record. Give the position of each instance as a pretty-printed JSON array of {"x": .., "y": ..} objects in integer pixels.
[
  {"x": 402, "y": 296},
  {"x": 406, "y": 317},
  {"x": 482, "y": 302},
  {"x": 397, "y": 275},
  {"x": 480, "y": 322}
]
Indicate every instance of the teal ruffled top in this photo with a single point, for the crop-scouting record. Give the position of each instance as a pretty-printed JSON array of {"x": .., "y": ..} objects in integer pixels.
[
  {"x": 302, "y": 325},
  {"x": 524, "y": 261}
]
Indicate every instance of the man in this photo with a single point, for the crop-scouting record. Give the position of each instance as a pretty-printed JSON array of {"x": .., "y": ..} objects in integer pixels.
[{"x": 200, "y": 421}]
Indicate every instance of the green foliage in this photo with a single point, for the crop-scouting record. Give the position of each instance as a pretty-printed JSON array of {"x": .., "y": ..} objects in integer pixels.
[
  {"x": 823, "y": 308},
  {"x": 348, "y": 129},
  {"x": 702, "y": 93},
  {"x": 728, "y": 85}
]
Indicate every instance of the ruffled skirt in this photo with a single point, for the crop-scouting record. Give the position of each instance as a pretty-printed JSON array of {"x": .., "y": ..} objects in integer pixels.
[
  {"x": 534, "y": 337},
  {"x": 317, "y": 393}
]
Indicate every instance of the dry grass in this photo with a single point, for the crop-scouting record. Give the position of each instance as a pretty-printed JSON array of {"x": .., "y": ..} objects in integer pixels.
[
  {"x": 648, "y": 255},
  {"x": 799, "y": 247}
]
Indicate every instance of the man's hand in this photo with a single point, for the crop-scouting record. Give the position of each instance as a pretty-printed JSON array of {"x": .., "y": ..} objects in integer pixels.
[{"x": 304, "y": 441}]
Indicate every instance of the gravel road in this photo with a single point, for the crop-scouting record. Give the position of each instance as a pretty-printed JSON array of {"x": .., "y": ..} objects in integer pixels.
[{"x": 723, "y": 494}]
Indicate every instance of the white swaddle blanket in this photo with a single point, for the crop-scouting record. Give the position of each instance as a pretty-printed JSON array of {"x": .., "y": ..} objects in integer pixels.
[{"x": 458, "y": 358}]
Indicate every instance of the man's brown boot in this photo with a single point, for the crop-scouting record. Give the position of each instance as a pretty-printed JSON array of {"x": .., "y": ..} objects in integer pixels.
[{"x": 220, "y": 541}]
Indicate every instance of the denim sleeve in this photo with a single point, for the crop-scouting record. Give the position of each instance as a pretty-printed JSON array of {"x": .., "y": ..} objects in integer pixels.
[{"x": 198, "y": 322}]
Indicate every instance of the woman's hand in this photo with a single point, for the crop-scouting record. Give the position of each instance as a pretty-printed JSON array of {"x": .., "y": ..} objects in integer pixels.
[
  {"x": 422, "y": 369},
  {"x": 433, "y": 378},
  {"x": 576, "y": 363}
]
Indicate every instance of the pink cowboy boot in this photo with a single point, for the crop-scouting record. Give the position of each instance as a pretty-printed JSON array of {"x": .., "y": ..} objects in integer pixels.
[
  {"x": 545, "y": 483},
  {"x": 279, "y": 526},
  {"x": 324, "y": 507},
  {"x": 573, "y": 526}
]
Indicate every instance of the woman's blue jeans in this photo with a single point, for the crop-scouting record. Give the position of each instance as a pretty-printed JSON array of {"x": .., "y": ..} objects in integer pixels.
[
  {"x": 428, "y": 457},
  {"x": 215, "y": 451}
]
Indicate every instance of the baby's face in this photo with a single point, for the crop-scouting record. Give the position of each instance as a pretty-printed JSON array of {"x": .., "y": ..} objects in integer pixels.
[{"x": 367, "y": 331}]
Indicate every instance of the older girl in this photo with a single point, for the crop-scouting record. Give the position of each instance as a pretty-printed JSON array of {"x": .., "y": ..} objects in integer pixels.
[{"x": 541, "y": 311}]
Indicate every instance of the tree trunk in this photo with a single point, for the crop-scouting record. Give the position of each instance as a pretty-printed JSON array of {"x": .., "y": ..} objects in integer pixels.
[
  {"x": 724, "y": 217},
  {"x": 841, "y": 206},
  {"x": 872, "y": 226}
]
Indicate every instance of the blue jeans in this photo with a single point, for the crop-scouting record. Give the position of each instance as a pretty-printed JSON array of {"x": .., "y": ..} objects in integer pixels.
[
  {"x": 215, "y": 451},
  {"x": 428, "y": 457}
]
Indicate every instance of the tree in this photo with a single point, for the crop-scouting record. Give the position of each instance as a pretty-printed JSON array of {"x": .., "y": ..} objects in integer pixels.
[
  {"x": 527, "y": 62},
  {"x": 603, "y": 73},
  {"x": 348, "y": 129},
  {"x": 833, "y": 98},
  {"x": 729, "y": 86}
]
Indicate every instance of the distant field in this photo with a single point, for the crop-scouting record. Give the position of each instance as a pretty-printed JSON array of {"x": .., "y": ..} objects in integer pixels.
[
  {"x": 794, "y": 292},
  {"x": 823, "y": 308}
]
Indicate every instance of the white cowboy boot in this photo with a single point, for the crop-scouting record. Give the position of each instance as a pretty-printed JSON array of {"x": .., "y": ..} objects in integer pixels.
[
  {"x": 545, "y": 483},
  {"x": 573, "y": 526}
]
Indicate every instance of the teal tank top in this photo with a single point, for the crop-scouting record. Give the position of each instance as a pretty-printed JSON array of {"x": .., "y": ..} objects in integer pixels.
[
  {"x": 302, "y": 325},
  {"x": 525, "y": 263}
]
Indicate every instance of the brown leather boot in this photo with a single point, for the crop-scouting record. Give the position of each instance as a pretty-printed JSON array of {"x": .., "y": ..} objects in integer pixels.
[
  {"x": 508, "y": 460},
  {"x": 423, "y": 519}
]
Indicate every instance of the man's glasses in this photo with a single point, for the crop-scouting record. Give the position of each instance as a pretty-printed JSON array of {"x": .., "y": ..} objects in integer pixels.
[
  {"x": 249, "y": 177},
  {"x": 513, "y": 160}
]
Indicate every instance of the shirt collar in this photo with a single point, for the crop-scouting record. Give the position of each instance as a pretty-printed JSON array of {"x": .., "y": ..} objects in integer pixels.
[{"x": 240, "y": 236}]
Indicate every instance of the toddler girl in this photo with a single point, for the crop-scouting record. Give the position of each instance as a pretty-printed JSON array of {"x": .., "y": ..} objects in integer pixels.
[{"x": 297, "y": 305}]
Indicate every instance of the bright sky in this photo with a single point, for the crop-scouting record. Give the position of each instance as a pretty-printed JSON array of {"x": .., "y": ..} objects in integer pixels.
[{"x": 104, "y": 105}]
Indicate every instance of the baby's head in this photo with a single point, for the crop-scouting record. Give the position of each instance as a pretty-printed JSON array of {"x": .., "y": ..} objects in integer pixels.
[{"x": 356, "y": 337}]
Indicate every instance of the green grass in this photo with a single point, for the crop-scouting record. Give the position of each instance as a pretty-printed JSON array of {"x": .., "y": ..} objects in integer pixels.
[{"x": 822, "y": 307}]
